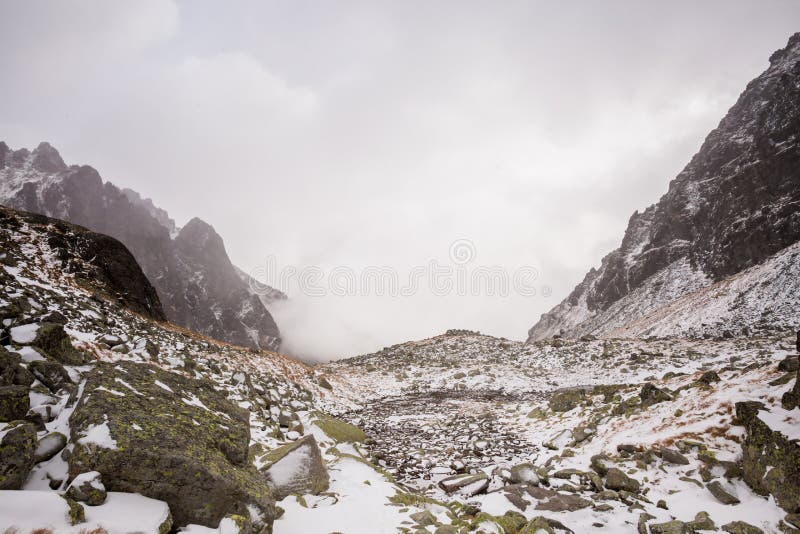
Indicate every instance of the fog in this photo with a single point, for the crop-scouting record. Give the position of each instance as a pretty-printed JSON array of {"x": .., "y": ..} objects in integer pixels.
[{"x": 353, "y": 135}]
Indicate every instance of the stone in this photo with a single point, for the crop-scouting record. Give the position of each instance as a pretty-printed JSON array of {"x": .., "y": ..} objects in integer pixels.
[
  {"x": 670, "y": 527},
  {"x": 740, "y": 527},
  {"x": 296, "y": 467},
  {"x": 708, "y": 378},
  {"x": 16, "y": 455},
  {"x": 560, "y": 502},
  {"x": 650, "y": 394},
  {"x": 466, "y": 484},
  {"x": 722, "y": 494},
  {"x": 88, "y": 488},
  {"x": 617, "y": 480},
  {"x": 701, "y": 521},
  {"x": 11, "y": 372},
  {"x": 671, "y": 456},
  {"x": 187, "y": 447},
  {"x": 49, "y": 446},
  {"x": 51, "y": 374},
  {"x": 789, "y": 364},
  {"x": 55, "y": 342},
  {"x": 523, "y": 473},
  {"x": 14, "y": 402},
  {"x": 424, "y": 518},
  {"x": 567, "y": 399},
  {"x": 770, "y": 462},
  {"x": 601, "y": 463}
]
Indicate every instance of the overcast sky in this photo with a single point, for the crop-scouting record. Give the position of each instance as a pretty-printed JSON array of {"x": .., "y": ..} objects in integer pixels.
[{"x": 378, "y": 133}]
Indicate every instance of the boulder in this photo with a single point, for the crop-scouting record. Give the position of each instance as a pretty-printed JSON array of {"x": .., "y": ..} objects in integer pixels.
[
  {"x": 14, "y": 402},
  {"x": 708, "y": 378},
  {"x": 566, "y": 399},
  {"x": 650, "y": 394},
  {"x": 789, "y": 364},
  {"x": 187, "y": 447},
  {"x": 296, "y": 467},
  {"x": 51, "y": 374},
  {"x": 671, "y": 456},
  {"x": 601, "y": 464},
  {"x": 16, "y": 455},
  {"x": 466, "y": 484},
  {"x": 88, "y": 488},
  {"x": 740, "y": 527},
  {"x": 722, "y": 494},
  {"x": 617, "y": 480},
  {"x": 523, "y": 473},
  {"x": 770, "y": 462},
  {"x": 49, "y": 446},
  {"x": 670, "y": 527},
  {"x": 55, "y": 342},
  {"x": 11, "y": 372}
]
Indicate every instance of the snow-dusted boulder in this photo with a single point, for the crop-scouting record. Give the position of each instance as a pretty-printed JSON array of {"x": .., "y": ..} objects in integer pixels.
[{"x": 296, "y": 467}]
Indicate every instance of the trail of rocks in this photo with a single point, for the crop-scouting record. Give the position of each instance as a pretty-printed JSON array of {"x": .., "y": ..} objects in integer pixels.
[{"x": 420, "y": 438}]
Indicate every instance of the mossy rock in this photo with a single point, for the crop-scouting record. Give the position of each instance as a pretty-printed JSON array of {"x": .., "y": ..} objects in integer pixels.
[
  {"x": 567, "y": 399},
  {"x": 16, "y": 455},
  {"x": 770, "y": 462},
  {"x": 187, "y": 447},
  {"x": 338, "y": 430},
  {"x": 14, "y": 402},
  {"x": 54, "y": 341}
]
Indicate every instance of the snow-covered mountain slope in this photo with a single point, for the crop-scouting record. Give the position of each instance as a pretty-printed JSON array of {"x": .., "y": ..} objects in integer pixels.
[
  {"x": 198, "y": 285},
  {"x": 733, "y": 206}
]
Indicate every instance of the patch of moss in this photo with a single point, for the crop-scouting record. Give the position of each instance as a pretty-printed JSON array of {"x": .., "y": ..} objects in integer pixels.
[{"x": 338, "y": 430}]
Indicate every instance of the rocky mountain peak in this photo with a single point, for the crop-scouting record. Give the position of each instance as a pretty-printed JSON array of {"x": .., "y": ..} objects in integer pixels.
[
  {"x": 734, "y": 205},
  {"x": 47, "y": 159}
]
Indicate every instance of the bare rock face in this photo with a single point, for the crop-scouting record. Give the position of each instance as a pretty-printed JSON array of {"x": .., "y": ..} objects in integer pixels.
[
  {"x": 734, "y": 205},
  {"x": 196, "y": 283},
  {"x": 100, "y": 260}
]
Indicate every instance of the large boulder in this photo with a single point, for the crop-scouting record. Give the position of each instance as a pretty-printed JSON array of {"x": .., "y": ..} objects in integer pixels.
[
  {"x": 770, "y": 461},
  {"x": 11, "y": 372},
  {"x": 54, "y": 341},
  {"x": 296, "y": 467},
  {"x": 617, "y": 480},
  {"x": 51, "y": 374},
  {"x": 16, "y": 456},
  {"x": 179, "y": 440},
  {"x": 14, "y": 402}
]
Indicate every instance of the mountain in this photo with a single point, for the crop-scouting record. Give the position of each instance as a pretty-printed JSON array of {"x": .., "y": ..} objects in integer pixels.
[
  {"x": 198, "y": 286},
  {"x": 734, "y": 206},
  {"x": 113, "y": 420}
]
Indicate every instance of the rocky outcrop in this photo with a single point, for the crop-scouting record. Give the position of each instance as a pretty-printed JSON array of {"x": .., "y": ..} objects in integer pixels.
[
  {"x": 734, "y": 205},
  {"x": 197, "y": 285},
  {"x": 168, "y": 437},
  {"x": 770, "y": 461},
  {"x": 95, "y": 260}
]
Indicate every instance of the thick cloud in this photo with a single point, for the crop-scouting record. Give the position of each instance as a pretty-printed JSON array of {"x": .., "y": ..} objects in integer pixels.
[{"x": 377, "y": 133}]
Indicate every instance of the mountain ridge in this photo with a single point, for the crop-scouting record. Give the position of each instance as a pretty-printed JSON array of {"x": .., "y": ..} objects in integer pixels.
[{"x": 735, "y": 204}]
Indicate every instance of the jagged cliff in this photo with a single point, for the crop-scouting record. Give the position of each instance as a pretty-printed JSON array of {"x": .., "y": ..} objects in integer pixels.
[{"x": 736, "y": 204}]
